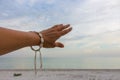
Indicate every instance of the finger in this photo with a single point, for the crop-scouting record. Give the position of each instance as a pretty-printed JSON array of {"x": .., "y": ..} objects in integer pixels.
[
  {"x": 49, "y": 45},
  {"x": 58, "y": 44},
  {"x": 62, "y": 27},
  {"x": 65, "y": 31},
  {"x": 55, "y": 26},
  {"x": 67, "y": 25}
]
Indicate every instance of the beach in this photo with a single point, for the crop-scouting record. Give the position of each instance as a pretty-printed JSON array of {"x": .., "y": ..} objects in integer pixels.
[{"x": 62, "y": 74}]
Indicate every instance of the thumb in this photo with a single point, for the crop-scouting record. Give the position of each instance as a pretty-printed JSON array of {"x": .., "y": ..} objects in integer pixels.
[{"x": 59, "y": 44}]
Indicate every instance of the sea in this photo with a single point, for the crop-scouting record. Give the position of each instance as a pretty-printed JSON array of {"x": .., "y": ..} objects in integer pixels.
[{"x": 61, "y": 63}]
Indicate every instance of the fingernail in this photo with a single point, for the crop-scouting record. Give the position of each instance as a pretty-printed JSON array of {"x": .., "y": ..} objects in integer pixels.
[
  {"x": 68, "y": 25},
  {"x": 70, "y": 28}
]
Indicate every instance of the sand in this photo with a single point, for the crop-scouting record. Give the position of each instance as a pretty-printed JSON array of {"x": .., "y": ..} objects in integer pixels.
[{"x": 66, "y": 74}]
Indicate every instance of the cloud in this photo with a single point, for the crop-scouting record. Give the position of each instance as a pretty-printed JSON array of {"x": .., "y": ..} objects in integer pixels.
[
  {"x": 100, "y": 45},
  {"x": 25, "y": 23},
  {"x": 96, "y": 16},
  {"x": 32, "y": 3}
]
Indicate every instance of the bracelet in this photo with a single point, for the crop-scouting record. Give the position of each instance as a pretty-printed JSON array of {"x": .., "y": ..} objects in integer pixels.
[
  {"x": 41, "y": 40},
  {"x": 38, "y": 50}
]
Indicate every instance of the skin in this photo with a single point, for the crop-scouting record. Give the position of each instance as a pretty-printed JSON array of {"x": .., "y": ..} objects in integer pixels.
[{"x": 11, "y": 40}]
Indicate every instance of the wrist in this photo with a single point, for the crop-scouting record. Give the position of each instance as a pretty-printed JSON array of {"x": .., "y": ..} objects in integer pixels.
[{"x": 34, "y": 38}]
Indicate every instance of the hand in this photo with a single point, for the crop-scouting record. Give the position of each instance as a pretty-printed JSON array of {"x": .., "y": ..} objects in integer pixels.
[{"x": 52, "y": 34}]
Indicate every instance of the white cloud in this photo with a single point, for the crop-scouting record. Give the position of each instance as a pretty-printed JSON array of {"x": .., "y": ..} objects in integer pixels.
[
  {"x": 21, "y": 2},
  {"x": 96, "y": 16},
  {"x": 106, "y": 44},
  {"x": 4, "y": 14},
  {"x": 22, "y": 23},
  {"x": 13, "y": 23},
  {"x": 33, "y": 2}
]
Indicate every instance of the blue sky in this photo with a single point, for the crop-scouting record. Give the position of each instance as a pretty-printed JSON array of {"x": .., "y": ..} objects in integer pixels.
[{"x": 96, "y": 25}]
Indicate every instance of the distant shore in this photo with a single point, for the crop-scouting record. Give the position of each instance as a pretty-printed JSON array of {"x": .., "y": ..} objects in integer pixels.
[{"x": 61, "y": 69}]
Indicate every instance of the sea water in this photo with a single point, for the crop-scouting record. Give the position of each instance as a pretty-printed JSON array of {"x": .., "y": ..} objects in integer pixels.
[{"x": 61, "y": 63}]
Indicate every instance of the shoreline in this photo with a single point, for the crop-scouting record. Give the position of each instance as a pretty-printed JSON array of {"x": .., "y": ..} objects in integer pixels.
[
  {"x": 61, "y": 69},
  {"x": 60, "y": 74}
]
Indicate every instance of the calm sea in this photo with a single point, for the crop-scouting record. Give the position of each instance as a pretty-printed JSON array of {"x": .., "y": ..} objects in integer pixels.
[{"x": 61, "y": 63}]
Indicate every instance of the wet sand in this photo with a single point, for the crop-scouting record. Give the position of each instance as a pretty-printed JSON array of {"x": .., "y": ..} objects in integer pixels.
[{"x": 61, "y": 74}]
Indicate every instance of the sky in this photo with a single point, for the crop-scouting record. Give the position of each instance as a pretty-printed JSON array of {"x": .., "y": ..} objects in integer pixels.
[{"x": 96, "y": 25}]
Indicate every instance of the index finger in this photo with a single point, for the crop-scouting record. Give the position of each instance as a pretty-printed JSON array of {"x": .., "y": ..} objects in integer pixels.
[
  {"x": 62, "y": 27},
  {"x": 65, "y": 31}
]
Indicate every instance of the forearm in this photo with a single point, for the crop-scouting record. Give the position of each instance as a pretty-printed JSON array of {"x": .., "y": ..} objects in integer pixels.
[{"x": 11, "y": 40}]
